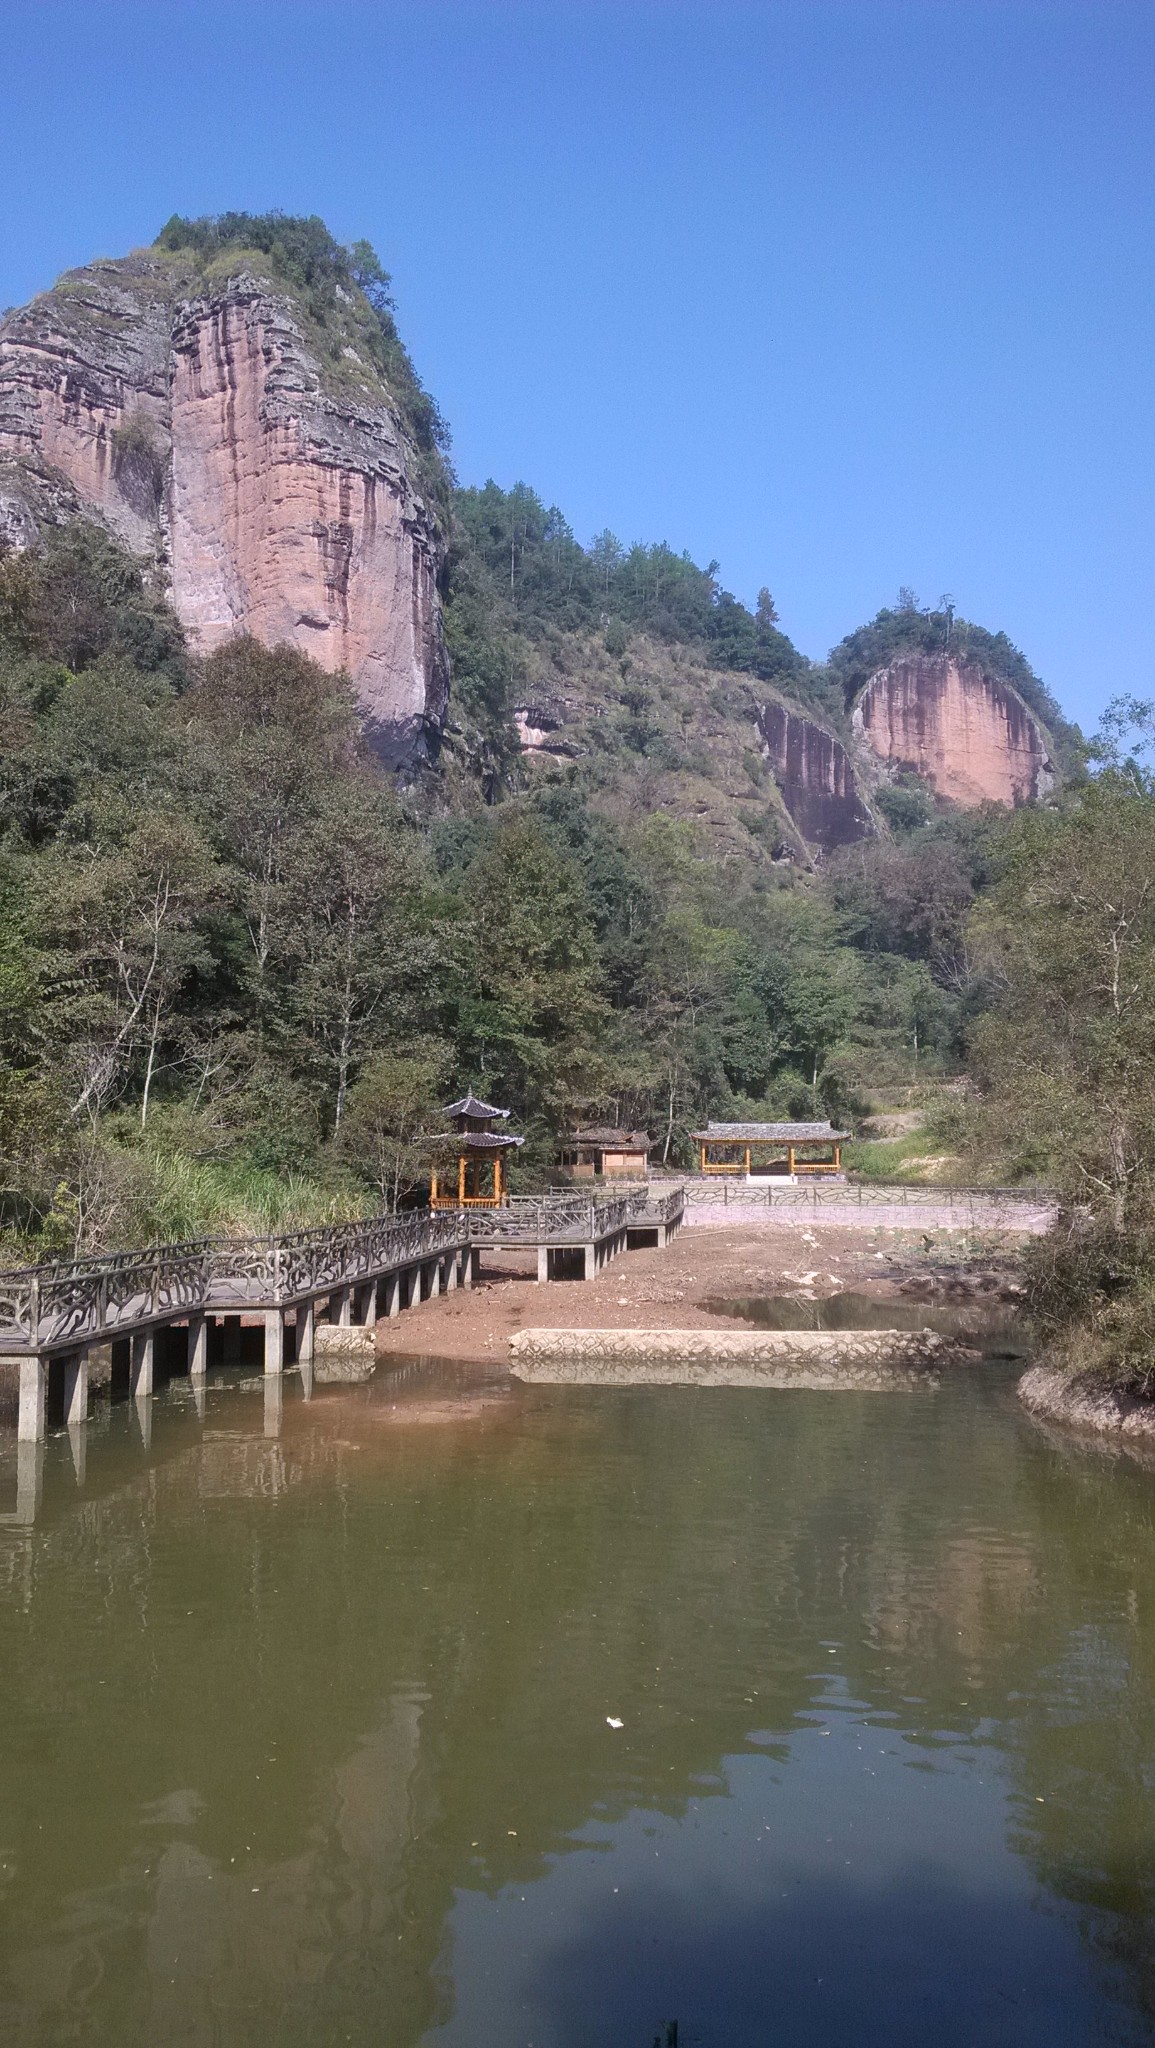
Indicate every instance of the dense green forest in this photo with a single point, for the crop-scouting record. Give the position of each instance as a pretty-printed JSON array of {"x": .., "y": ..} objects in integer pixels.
[{"x": 241, "y": 969}]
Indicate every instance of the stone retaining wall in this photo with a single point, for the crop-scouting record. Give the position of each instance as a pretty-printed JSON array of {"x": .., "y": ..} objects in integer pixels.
[{"x": 869, "y": 1360}]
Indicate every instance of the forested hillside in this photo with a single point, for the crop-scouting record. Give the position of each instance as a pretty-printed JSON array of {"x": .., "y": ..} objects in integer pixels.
[{"x": 242, "y": 968}]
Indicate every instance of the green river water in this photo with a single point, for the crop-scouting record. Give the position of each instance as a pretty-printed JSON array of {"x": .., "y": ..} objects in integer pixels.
[{"x": 304, "y": 1722}]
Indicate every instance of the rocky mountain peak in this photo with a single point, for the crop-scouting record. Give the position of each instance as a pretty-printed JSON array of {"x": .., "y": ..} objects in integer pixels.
[{"x": 274, "y": 486}]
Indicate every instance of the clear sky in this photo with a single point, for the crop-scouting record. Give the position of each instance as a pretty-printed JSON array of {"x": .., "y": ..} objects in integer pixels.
[{"x": 844, "y": 293}]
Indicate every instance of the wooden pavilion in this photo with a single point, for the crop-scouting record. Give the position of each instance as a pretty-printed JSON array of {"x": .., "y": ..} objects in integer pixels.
[
  {"x": 469, "y": 1172},
  {"x": 602, "y": 1152},
  {"x": 759, "y": 1150}
]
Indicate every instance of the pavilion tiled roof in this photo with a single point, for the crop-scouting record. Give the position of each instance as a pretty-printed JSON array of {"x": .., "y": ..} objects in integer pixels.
[
  {"x": 470, "y": 1106},
  {"x": 474, "y": 1141},
  {"x": 755, "y": 1134}
]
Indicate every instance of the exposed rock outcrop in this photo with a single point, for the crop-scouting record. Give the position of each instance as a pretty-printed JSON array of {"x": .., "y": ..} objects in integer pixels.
[
  {"x": 968, "y": 734},
  {"x": 274, "y": 499},
  {"x": 814, "y": 773}
]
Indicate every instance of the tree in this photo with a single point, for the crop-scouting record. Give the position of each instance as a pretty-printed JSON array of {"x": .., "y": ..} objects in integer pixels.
[
  {"x": 126, "y": 928},
  {"x": 766, "y": 611},
  {"x": 394, "y": 1104},
  {"x": 361, "y": 952}
]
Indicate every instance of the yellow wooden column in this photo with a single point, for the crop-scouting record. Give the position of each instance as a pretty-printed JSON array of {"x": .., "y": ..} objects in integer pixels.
[
  {"x": 790, "y": 1161},
  {"x": 702, "y": 1149},
  {"x": 747, "y": 1162},
  {"x": 497, "y": 1177},
  {"x": 433, "y": 1188},
  {"x": 837, "y": 1158},
  {"x": 461, "y": 1181}
]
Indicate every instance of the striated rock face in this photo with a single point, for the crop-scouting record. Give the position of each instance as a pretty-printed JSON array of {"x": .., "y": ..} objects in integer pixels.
[
  {"x": 816, "y": 778},
  {"x": 202, "y": 431},
  {"x": 969, "y": 735}
]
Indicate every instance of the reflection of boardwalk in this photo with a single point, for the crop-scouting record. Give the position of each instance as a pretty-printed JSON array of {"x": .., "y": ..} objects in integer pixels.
[{"x": 52, "y": 1317}]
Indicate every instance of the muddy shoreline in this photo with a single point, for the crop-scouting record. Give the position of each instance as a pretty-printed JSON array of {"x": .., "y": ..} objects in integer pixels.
[{"x": 685, "y": 1286}]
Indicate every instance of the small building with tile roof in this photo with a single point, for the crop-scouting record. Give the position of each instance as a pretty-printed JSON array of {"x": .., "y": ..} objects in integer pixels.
[
  {"x": 760, "y": 1150},
  {"x": 601, "y": 1151}
]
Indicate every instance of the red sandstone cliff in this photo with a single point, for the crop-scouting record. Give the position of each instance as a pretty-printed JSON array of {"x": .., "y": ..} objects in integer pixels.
[
  {"x": 815, "y": 775},
  {"x": 275, "y": 499},
  {"x": 969, "y": 735}
]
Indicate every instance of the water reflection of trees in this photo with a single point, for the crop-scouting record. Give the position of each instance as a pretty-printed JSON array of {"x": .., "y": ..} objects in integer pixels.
[{"x": 346, "y": 1657}]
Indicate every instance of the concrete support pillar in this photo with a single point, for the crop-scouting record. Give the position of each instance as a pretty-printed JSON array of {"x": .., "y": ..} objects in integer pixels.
[
  {"x": 198, "y": 1347},
  {"x": 274, "y": 1340},
  {"x": 33, "y": 1399},
  {"x": 141, "y": 1364},
  {"x": 341, "y": 1307},
  {"x": 304, "y": 1345},
  {"x": 76, "y": 1388},
  {"x": 542, "y": 1264},
  {"x": 29, "y": 1479},
  {"x": 434, "y": 1279},
  {"x": 451, "y": 1265},
  {"x": 370, "y": 1305},
  {"x": 474, "y": 1266},
  {"x": 414, "y": 1279},
  {"x": 589, "y": 1261},
  {"x": 393, "y": 1294}
]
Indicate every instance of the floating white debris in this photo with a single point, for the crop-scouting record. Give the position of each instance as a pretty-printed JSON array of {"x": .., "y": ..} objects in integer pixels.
[{"x": 613, "y": 1722}]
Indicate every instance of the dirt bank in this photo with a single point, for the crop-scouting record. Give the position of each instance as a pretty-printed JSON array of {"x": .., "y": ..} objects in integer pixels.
[
  {"x": 1082, "y": 1400},
  {"x": 667, "y": 1289}
]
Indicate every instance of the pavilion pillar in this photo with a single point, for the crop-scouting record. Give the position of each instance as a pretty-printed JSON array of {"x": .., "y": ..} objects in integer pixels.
[
  {"x": 702, "y": 1149},
  {"x": 461, "y": 1181},
  {"x": 433, "y": 1189},
  {"x": 747, "y": 1162},
  {"x": 497, "y": 1178},
  {"x": 838, "y": 1159},
  {"x": 790, "y": 1161}
]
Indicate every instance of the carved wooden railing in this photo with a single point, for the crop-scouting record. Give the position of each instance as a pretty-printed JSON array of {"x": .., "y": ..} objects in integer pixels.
[
  {"x": 557, "y": 1218},
  {"x": 82, "y": 1301}
]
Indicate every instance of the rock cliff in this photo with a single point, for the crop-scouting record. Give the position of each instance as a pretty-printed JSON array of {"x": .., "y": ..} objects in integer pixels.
[
  {"x": 814, "y": 773},
  {"x": 275, "y": 495},
  {"x": 967, "y": 733}
]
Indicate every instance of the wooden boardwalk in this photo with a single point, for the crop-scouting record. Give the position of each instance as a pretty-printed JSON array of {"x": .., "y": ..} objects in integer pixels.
[{"x": 53, "y": 1316}]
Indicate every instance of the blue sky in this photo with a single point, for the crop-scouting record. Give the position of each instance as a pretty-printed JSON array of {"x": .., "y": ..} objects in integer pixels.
[{"x": 844, "y": 293}]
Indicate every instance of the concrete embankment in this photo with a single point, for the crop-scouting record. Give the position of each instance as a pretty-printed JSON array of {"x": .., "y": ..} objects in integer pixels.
[
  {"x": 1083, "y": 1400},
  {"x": 880, "y": 1361}
]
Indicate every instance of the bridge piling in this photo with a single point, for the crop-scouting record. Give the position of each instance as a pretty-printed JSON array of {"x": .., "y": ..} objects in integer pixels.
[
  {"x": 33, "y": 1399},
  {"x": 304, "y": 1340},
  {"x": 141, "y": 1363},
  {"x": 198, "y": 1346},
  {"x": 76, "y": 1388},
  {"x": 274, "y": 1341}
]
